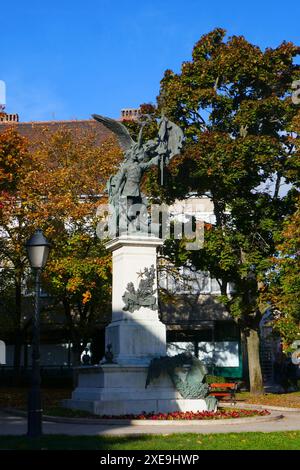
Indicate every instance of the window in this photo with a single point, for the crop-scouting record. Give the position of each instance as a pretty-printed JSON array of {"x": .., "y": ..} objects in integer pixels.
[{"x": 187, "y": 281}]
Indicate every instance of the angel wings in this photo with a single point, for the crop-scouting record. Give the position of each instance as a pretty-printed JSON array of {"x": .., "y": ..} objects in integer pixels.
[
  {"x": 118, "y": 129},
  {"x": 169, "y": 133},
  {"x": 124, "y": 187}
]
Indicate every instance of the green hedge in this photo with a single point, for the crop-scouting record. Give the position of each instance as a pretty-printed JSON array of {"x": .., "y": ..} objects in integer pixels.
[{"x": 212, "y": 379}]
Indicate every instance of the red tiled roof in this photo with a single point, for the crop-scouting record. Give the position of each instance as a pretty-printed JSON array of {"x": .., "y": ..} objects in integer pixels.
[{"x": 34, "y": 130}]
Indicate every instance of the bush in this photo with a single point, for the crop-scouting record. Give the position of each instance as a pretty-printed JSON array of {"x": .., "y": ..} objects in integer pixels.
[{"x": 212, "y": 379}]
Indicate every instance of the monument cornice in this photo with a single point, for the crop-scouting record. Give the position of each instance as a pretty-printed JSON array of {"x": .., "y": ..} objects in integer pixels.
[{"x": 134, "y": 241}]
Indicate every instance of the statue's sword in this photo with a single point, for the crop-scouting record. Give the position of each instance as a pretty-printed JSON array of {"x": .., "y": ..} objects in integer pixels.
[
  {"x": 164, "y": 135},
  {"x": 162, "y": 165}
]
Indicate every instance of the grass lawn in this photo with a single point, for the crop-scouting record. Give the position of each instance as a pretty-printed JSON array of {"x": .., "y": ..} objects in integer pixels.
[{"x": 241, "y": 441}]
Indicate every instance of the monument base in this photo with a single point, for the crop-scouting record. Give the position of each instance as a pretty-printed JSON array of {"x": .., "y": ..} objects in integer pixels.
[
  {"x": 134, "y": 337},
  {"x": 117, "y": 390}
]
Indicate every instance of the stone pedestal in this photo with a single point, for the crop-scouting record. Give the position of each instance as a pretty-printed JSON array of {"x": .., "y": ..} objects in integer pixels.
[
  {"x": 116, "y": 390},
  {"x": 139, "y": 336},
  {"x": 136, "y": 338}
]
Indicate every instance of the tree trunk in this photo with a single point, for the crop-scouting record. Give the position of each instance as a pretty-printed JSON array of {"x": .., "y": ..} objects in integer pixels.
[
  {"x": 18, "y": 336},
  {"x": 76, "y": 351},
  {"x": 17, "y": 350},
  {"x": 255, "y": 374},
  {"x": 76, "y": 355},
  {"x": 219, "y": 211},
  {"x": 245, "y": 359}
]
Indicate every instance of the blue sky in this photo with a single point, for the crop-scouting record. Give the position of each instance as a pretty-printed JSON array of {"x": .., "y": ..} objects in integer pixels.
[{"x": 68, "y": 59}]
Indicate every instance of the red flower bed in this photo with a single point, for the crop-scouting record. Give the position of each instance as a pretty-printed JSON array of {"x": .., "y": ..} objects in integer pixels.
[{"x": 188, "y": 415}]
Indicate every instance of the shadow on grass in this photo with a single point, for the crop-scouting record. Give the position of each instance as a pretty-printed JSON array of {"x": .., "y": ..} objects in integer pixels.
[
  {"x": 63, "y": 442},
  {"x": 289, "y": 440}
]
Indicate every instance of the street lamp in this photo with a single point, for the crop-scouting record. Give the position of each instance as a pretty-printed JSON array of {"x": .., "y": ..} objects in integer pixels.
[{"x": 37, "y": 250}]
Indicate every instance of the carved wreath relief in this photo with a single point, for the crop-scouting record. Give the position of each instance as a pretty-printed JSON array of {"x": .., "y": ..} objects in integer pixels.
[{"x": 143, "y": 296}]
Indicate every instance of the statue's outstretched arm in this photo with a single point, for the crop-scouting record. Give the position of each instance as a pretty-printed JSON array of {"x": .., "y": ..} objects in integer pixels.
[{"x": 154, "y": 161}]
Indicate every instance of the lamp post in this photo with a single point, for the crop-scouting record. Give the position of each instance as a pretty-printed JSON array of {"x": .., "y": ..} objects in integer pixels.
[{"x": 37, "y": 250}]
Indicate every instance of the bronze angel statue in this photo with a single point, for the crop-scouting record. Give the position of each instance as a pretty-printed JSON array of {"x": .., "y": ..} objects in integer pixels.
[{"x": 123, "y": 188}]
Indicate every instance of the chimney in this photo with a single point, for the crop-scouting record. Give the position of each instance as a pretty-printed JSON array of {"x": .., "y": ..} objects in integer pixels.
[
  {"x": 130, "y": 114},
  {"x": 4, "y": 117}
]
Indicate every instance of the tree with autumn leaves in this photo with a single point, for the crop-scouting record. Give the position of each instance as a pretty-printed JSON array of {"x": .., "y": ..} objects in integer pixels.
[
  {"x": 56, "y": 184},
  {"x": 15, "y": 225},
  {"x": 233, "y": 101},
  {"x": 283, "y": 281}
]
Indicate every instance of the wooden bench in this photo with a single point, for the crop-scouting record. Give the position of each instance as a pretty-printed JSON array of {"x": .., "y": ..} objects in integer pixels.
[{"x": 224, "y": 390}]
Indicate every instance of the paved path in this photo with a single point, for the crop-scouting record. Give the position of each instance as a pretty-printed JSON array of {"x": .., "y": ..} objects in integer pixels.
[{"x": 15, "y": 425}]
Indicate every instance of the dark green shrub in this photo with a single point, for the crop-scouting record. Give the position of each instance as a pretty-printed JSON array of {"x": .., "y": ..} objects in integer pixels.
[{"x": 212, "y": 379}]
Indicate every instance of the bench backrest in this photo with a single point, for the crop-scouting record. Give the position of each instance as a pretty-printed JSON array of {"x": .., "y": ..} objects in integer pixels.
[{"x": 223, "y": 385}]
